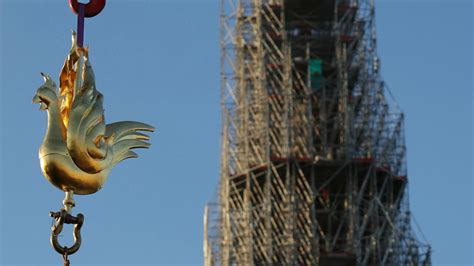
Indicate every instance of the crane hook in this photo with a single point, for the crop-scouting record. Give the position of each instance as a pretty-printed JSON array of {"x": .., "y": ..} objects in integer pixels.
[{"x": 91, "y": 9}]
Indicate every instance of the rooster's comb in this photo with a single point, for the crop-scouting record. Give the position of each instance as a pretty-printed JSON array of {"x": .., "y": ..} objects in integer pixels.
[{"x": 48, "y": 82}]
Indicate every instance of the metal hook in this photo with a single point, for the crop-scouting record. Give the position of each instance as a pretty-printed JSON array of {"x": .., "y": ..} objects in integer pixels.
[
  {"x": 82, "y": 11},
  {"x": 61, "y": 218},
  {"x": 91, "y": 9}
]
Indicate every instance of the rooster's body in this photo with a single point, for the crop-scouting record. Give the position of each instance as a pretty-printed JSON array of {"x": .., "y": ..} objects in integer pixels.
[{"x": 79, "y": 148}]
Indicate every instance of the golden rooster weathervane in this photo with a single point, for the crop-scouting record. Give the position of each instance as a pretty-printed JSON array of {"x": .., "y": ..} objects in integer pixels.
[{"x": 79, "y": 148}]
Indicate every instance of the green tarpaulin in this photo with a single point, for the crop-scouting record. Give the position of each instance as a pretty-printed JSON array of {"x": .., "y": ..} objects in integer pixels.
[
  {"x": 315, "y": 66},
  {"x": 316, "y": 72}
]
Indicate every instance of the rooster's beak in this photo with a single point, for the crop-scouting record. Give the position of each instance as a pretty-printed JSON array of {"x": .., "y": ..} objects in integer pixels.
[{"x": 37, "y": 99}]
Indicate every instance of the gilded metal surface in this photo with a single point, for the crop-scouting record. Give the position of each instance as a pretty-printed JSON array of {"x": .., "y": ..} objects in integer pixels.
[
  {"x": 79, "y": 148},
  {"x": 68, "y": 201}
]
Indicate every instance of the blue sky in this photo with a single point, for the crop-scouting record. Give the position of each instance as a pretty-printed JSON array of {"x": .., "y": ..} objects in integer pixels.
[{"x": 158, "y": 62}]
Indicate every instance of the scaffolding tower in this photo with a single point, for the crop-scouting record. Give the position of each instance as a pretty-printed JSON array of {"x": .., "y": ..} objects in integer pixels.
[{"x": 313, "y": 168}]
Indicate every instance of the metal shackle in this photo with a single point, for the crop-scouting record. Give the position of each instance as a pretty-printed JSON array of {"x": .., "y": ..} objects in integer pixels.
[{"x": 61, "y": 218}]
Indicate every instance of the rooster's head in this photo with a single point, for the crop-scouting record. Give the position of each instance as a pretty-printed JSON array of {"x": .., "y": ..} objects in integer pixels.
[{"x": 46, "y": 93}]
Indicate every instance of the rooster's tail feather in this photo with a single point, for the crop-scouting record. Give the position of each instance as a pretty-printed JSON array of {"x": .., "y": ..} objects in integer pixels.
[{"x": 126, "y": 136}]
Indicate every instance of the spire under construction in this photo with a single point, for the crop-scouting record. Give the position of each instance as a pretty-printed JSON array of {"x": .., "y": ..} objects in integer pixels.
[{"x": 313, "y": 168}]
